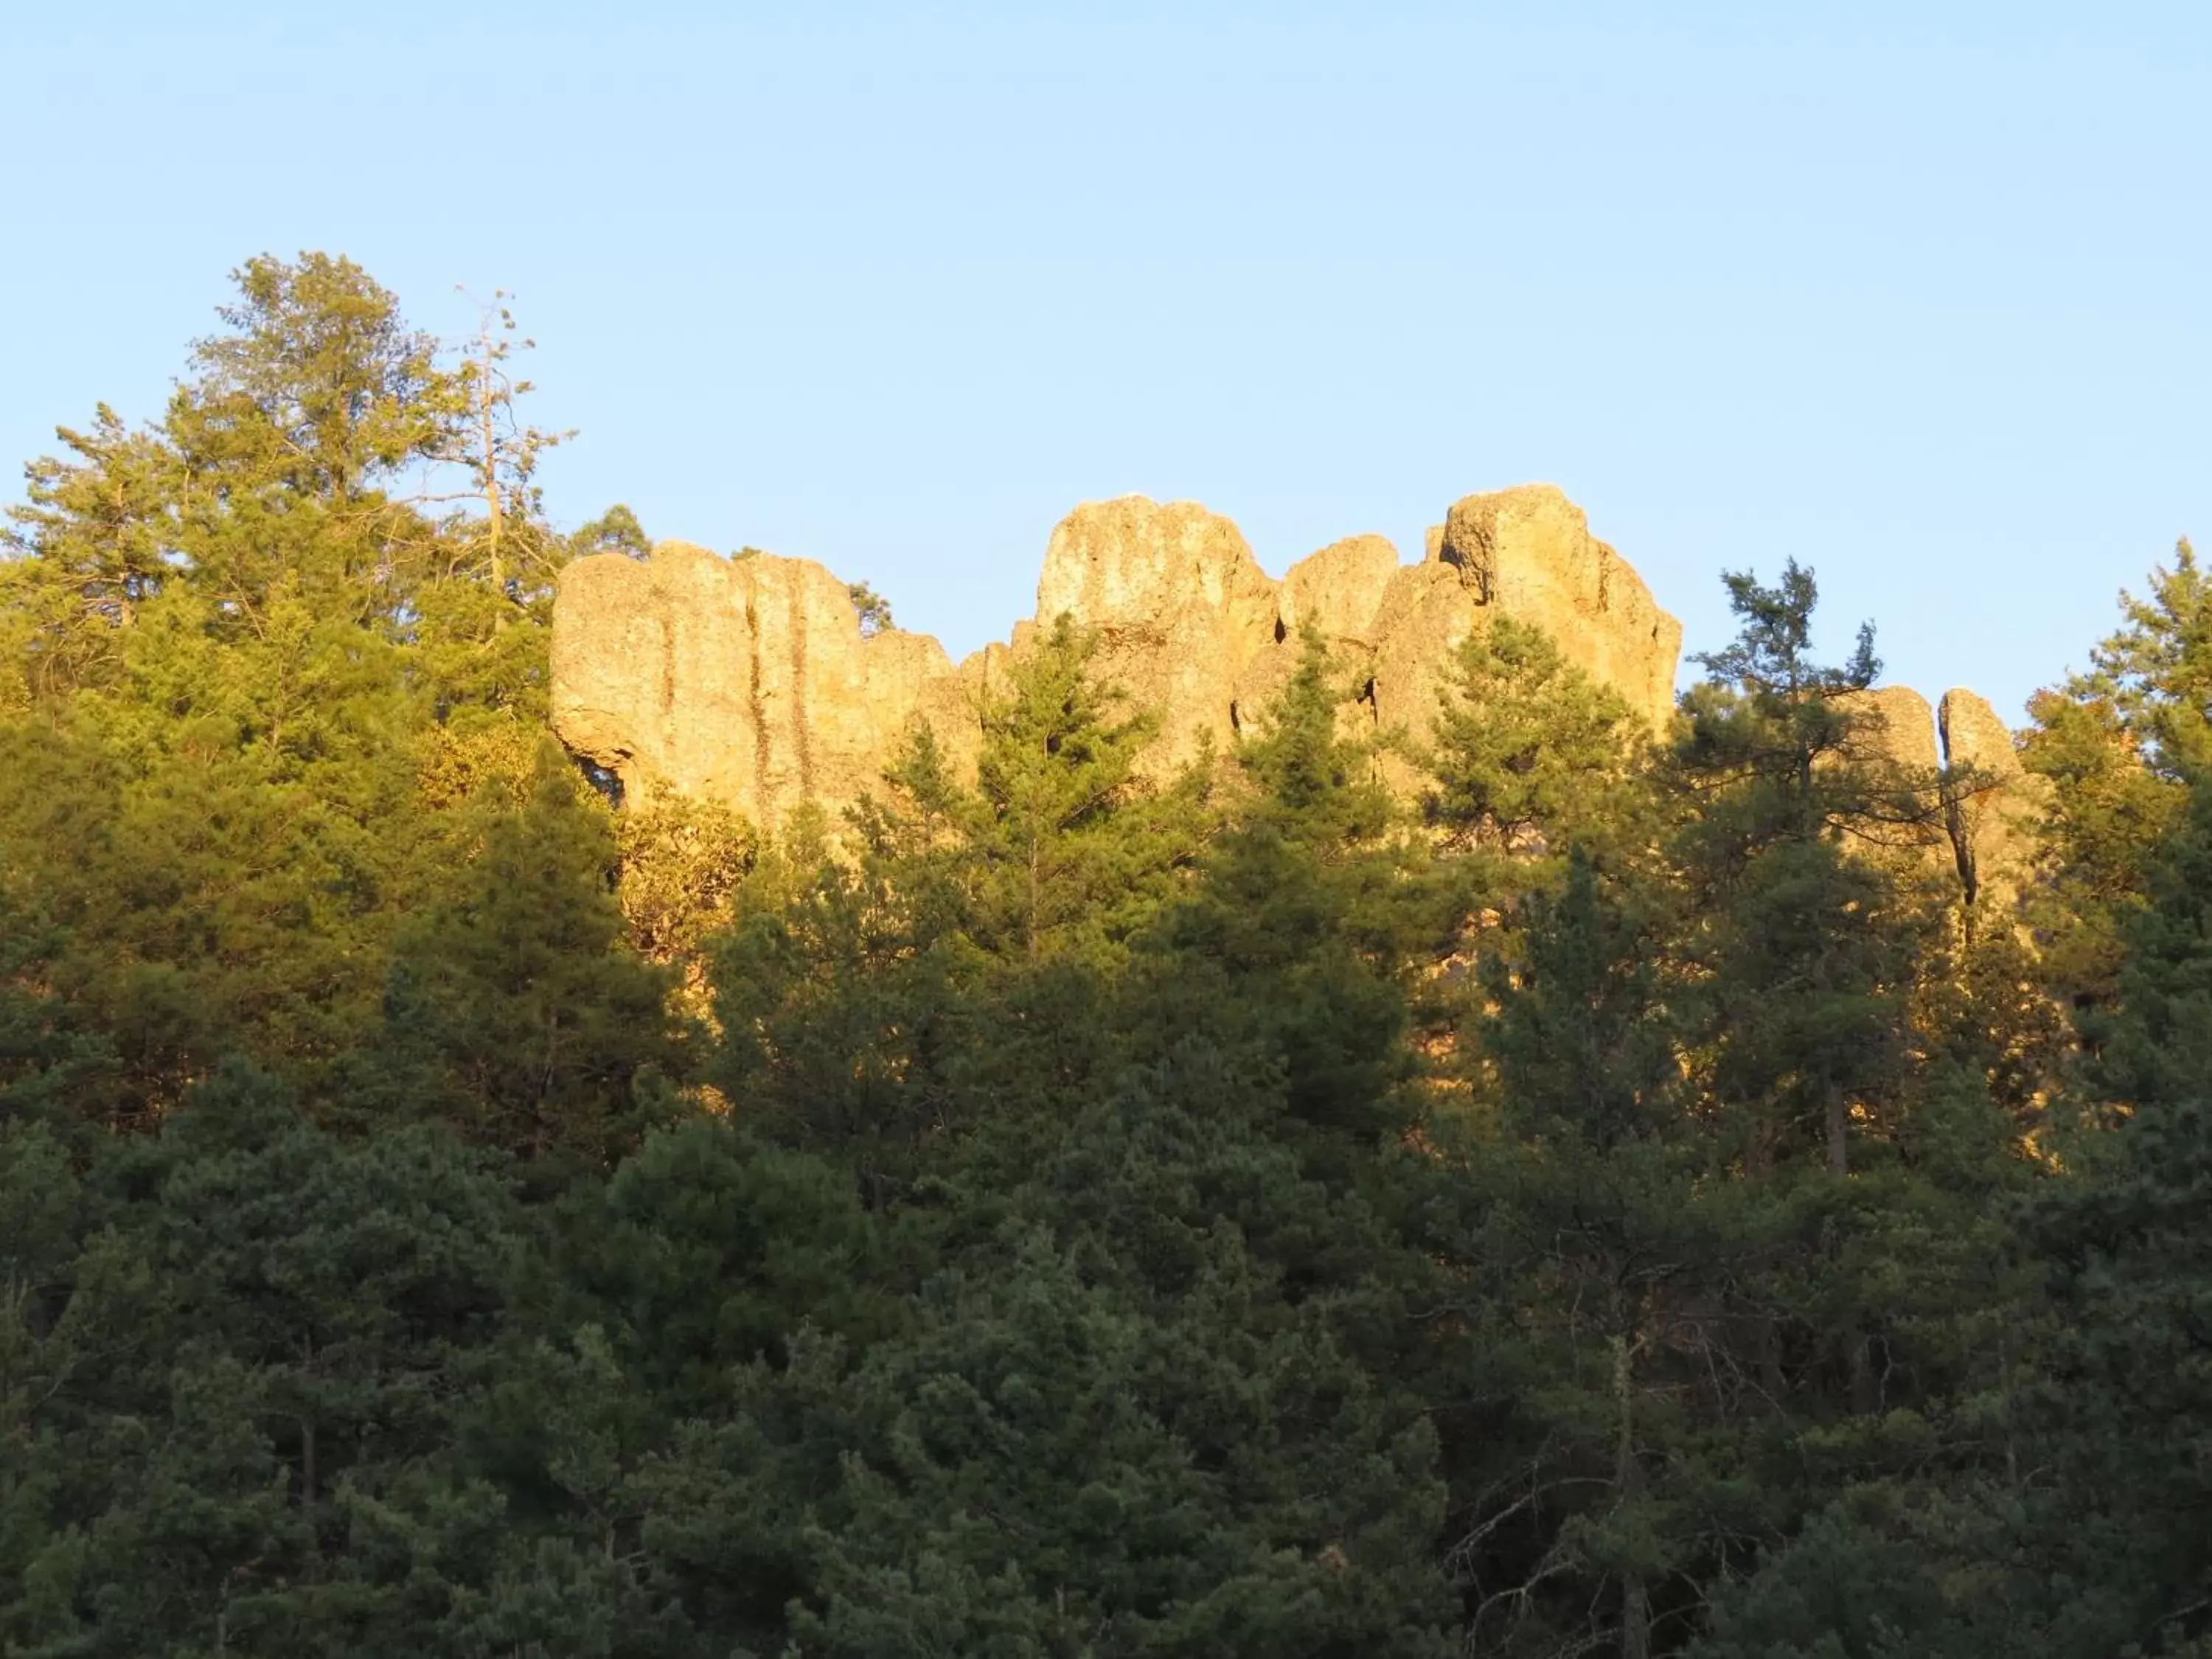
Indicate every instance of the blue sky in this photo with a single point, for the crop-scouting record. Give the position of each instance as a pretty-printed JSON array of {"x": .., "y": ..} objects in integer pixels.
[{"x": 1918, "y": 293}]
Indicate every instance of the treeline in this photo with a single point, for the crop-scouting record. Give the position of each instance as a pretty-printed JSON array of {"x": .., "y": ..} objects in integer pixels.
[{"x": 1621, "y": 1200}]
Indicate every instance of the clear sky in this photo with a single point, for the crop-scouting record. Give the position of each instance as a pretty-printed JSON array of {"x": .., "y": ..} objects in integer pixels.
[{"x": 1919, "y": 293}]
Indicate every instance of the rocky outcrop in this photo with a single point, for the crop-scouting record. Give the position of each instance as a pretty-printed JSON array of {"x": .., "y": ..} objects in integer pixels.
[
  {"x": 1528, "y": 553},
  {"x": 1340, "y": 589},
  {"x": 748, "y": 681},
  {"x": 1897, "y": 727},
  {"x": 1976, "y": 798},
  {"x": 744, "y": 681},
  {"x": 1992, "y": 807},
  {"x": 1179, "y": 606}
]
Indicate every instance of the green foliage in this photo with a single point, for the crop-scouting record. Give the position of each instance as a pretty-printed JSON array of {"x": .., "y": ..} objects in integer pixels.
[
  {"x": 2157, "y": 669},
  {"x": 1797, "y": 935},
  {"x": 683, "y": 863},
  {"x": 1528, "y": 753},
  {"x": 1298, "y": 942},
  {"x": 2129, "y": 1243},
  {"x": 615, "y": 530},
  {"x": 873, "y": 610},
  {"x": 516, "y": 1008},
  {"x": 958, "y": 968},
  {"x": 2117, "y": 746}
]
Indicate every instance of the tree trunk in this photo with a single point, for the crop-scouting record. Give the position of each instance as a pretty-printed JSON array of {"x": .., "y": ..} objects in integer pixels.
[
  {"x": 307, "y": 1465},
  {"x": 495, "y": 510},
  {"x": 1839, "y": 1125},
  {"x": 1627, "y": 1477}
]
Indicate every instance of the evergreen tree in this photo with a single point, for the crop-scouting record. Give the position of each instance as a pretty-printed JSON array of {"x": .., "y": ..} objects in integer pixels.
[
  {"x": 1600, "y": 1487},
  {"x": 1528, "y": 754},
  {"x": 245, "y": 651},
  {"x": 1299, "y": 941},
  {"x": 517, "y": 1005},
  {"x": 615, "y": 530},
  {"x": 1064, "y": 847},
  {"x": 2127, "y": 1236},
  {"x": 959, "y": 968},
  {"x": 1133, "y": 1419},
  {"x": 1803, "y": 973},
  {"x": 2115, "y": 744}
]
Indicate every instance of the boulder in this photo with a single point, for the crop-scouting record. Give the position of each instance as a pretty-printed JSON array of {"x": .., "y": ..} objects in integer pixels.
[{"x": 1339, "y": 590}]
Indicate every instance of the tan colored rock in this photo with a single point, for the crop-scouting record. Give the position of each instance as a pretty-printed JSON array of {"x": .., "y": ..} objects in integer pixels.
[
  {"x": 1525, "y": 553},
  {"x": 748, "y": 681},
  {"x": 1425, "y": 614},
  {"x": 1336, "y": 592},
  {"x": 1180, "y": 606},
  {"x": 1528, "y": 553},
  {"x": 743, "y": 681},
  {"x": 1992, "y": 826},
  {"x": 1974, "y": 735},
  {"x": 1975, "y": 827},
  {"x": 607, "y": 631},
  {"x": 1339, "y": 589},
  {"x": 1899, "y": 728}
]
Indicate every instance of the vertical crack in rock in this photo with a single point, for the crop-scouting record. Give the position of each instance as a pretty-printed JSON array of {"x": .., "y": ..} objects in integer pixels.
[
  {"x": 1991, "y": 809},
  {"x": 802, "y": 709},
  {"x": 756, "y": 704},
  {"x": 1954, "y": 811},
  {"x": 667, "y": 665}
]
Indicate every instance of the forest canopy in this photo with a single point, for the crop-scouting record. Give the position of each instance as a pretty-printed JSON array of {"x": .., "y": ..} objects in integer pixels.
[{"x": 1621, "y": 1197}]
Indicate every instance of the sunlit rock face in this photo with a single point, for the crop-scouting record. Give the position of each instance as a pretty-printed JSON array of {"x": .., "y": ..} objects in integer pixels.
[
  {"x": 1179, "y": 606},
  {"x": 1527, "y": 553},
  {"x": 1992, "y": 820},
  {"x": 743, "y": 681},
  {"x": 1964, "y": 797},
  {"x": 748, "y": 681}
]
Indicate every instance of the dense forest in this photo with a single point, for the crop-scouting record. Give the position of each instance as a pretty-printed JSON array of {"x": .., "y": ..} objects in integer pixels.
[{"x": 1625, "y": 1200}]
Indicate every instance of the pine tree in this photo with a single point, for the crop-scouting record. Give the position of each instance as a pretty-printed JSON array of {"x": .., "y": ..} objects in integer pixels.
[
  {"x": 516, "y": 1006},
  {"x": 1593, "y": 1252},
  {"x": 958, "y": 969},
  {"x": 241, "y": 644},
  {"x": 2127, "y": 1236},
  {"x": 1529, "y": 755},
  {"x": 2114, "y": 745},
  {"x": 1299, "y": 942},
  {"x": 1795, "y": 935}
]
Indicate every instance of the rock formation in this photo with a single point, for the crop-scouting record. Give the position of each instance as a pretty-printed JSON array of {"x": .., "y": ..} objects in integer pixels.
[
  {"x": 1990, "y": 815},
  {"x": 744, "y": 681},
  {"x": 748, "y": 681},
  {"x": 1978, "y": 795},
  {"x": 1899, "y": 727},
  {"x": 1179, "y": 606},
  {"x": 1528, "y": 553}
]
